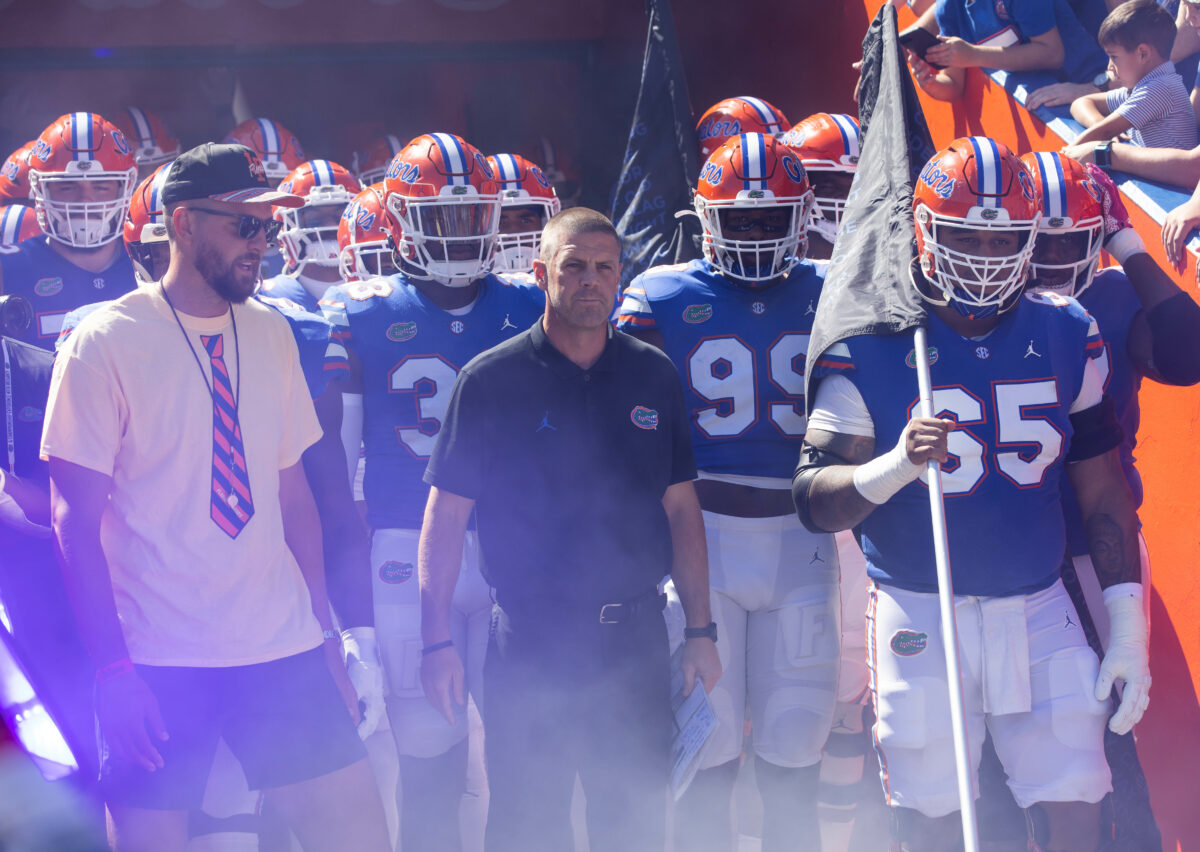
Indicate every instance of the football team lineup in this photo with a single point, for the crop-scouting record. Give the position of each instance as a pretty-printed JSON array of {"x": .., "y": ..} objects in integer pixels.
[{"x": 810, "y": 517}]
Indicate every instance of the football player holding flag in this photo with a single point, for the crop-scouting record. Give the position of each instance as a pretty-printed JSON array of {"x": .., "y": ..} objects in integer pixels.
[
  {"x": 408, "y": 335},
  {"x": 1008, "y": 426},
  {"x": 736, "y": 325}
]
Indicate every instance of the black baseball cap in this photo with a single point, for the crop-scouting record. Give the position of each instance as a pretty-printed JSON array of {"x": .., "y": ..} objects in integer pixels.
[{"x": 223, "y": 173}]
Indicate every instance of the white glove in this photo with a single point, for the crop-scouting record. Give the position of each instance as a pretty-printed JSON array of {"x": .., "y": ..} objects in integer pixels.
[
  {"x": 1128, "y": 656},
  {"x": 366, "y": 675}
]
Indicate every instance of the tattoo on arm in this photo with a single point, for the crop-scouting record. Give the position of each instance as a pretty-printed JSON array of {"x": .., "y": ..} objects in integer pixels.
[{"x": 1107, "y": 544}]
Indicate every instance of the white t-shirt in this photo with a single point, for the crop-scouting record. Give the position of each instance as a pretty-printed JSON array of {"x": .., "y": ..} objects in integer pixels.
[{"x": 127, "y": 399}]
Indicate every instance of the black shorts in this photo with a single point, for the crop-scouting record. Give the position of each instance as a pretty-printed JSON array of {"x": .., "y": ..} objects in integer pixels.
[{"x": 284, "y": 721}]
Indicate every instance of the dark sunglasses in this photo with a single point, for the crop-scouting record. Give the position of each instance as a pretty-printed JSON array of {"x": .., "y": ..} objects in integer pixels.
[
  {"x": 745, "y": 225},
  {"x": 248, "y": 226}
]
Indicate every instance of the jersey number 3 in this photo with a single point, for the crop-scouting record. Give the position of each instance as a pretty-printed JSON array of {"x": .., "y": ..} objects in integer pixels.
[
  {"x": 1026, "y": 443},
  {"x": 429, "y": 379},
  {"x": 722, "y": 371}
]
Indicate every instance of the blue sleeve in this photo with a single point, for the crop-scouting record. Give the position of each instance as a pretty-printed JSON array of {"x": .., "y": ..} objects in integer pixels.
[
  {"x": 946, "y": 13},
  {"x": 1033, "y": 17}
]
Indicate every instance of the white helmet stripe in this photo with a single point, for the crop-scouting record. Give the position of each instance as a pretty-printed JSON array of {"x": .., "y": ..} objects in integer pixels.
[
  {"x": 509, "y": 173},
  {"x": 987, "y": 170},
  {"x": 81, "y": 135},
  {"x": 453, "y": 156},
  {"x": 849, "y": 130},
  {"x": 765, "y": 114},
  {"x": 754, "y": 154},
  {"x": 156, "y": 188},
  {"x": 1054, "y": 187},
  {"x": 322, "y": 173},
  {"x": 140, "y": 125},
  {"x": 270, "y": 137},
  {"x": 10, "y": 224}
]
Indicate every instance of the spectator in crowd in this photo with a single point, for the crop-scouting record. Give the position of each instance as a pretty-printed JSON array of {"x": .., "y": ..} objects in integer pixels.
[
  {"x": 1152, "y": 103},
  {"x": 1174, "y": 166},
  {"x": 1033, "y": 37}
]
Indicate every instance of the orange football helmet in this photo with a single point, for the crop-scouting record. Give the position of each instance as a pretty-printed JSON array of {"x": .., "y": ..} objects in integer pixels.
[
  {"x": 82, "y": 155},
  {"x": 145, "y": 231},
  {"x": 18, "y": 222},
  {"x": 152, "y": 143},
  {"x": 365, "y": 241},
  {"x": 373, "y": 164},
  {"x": 275, "y": 145},
  {"x": 14, "y": 175},
  {"x": 975, "y": 184},
  {"x": 522, "y": 184},
  {"x": 734, "y": 116},
  {"x": 753, "y": 172},
  {"x": 309, "y": 233},
  {"x": 828, "y": 146},
  {"x": 1071, "y": 203},
  {"x": 445, "y": 200}
]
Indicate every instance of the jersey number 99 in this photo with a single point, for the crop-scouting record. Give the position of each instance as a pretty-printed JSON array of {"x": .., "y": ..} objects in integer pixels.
[{"x": 722, "y": 371}]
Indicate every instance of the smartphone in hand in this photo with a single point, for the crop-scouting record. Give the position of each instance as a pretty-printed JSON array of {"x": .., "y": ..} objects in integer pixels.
[{"x": 919, "y": 40}]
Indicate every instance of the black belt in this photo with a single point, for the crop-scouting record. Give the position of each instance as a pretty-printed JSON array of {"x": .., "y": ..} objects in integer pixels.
[{"x": 619, "y": 613}]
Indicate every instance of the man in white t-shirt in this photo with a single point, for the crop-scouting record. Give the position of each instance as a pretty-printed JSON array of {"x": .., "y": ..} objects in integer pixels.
[{"x": 189, "y": 539}]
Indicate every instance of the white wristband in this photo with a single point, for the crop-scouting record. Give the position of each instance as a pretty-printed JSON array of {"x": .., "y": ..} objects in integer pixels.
[
  {"x": 879, "y": 479},
  {"x": 1124, "y": 244},
  {"x": 1123, "y": 590}
]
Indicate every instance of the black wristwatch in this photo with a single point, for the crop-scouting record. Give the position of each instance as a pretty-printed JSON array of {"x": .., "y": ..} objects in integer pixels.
[
  {"x": 1102, "y": 154},
  {"x": 709, "y": 632}
]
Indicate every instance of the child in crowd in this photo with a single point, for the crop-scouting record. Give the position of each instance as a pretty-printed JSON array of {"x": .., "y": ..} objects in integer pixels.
[{"x": 1152, "y": 105}]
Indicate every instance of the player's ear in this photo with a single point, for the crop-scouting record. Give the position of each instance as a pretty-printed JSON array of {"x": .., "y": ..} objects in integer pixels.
[{"x": 540, "y": 273}]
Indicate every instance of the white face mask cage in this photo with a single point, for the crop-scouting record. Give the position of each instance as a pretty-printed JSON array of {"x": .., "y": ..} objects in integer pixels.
[
  {"x": 516, "y": 252},
  {"x": 81, "y": 224},
  {"x": 450, "y": 239},
  {"x": 315, "y": 244},
  {"x": 971, "y": 280},
  {"x": 375, "y": 175},
  {"x": 827, "y": 209},
  {"x": 1069, "y": 279},
  {"x": 360, "y": 261},
  {"x": 755, "y": 261}
]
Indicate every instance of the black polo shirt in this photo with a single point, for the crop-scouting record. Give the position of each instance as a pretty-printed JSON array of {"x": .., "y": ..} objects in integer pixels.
[{"x": 568, "y": 467}]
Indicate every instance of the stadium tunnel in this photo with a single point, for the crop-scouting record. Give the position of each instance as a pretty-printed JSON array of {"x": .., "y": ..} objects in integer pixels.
[{"x": 504, "y": 73}]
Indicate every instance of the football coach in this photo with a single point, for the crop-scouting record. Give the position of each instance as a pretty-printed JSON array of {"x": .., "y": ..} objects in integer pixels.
[{"x": 570, "y": 443}]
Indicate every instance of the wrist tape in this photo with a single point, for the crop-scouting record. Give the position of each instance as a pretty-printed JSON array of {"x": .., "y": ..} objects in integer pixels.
[
  {"x": 1124, "y": 244},
  {"x": 879, "y": 479}
]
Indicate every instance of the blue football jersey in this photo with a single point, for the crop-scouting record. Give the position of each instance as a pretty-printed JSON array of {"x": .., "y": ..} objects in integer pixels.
[
  {"x": 410, "y": 352},
  {"x": 322, "y": 356},
  {"x": 55, "y": 286},
  {"x": 1113, "y": 303},
  {"x": 1011, "y": 394},
  {"x": 286, "y": 287},
  {"x": 740, "y": 353}
]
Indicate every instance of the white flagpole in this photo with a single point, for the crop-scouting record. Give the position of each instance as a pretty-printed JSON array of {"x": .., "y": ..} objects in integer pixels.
[{"x": 941, "y": 552}]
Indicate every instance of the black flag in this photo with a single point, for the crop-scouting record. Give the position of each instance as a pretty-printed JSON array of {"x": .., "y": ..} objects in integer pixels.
[
  {"x": 661, "y": 157},
  {"x": 867, "y": 289}
]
